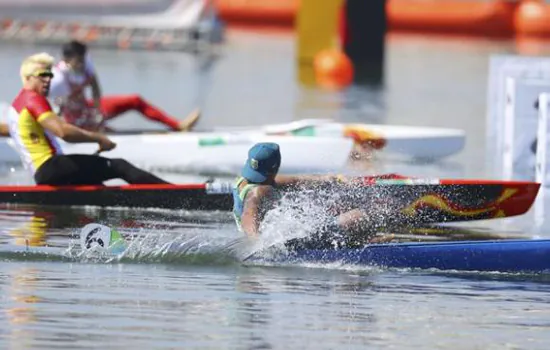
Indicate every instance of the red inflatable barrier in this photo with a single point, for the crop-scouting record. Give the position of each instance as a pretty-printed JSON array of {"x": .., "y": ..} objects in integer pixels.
[{"x": 487, "y": 18}]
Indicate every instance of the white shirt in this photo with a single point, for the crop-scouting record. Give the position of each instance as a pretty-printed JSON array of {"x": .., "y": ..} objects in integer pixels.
[
  {"x": 65, "y": 80},
  {"x": 68, "y": 93}
]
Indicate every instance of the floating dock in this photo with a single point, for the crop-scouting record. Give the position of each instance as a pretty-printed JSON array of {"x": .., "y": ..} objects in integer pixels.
[{"x": 175, "y": 25}]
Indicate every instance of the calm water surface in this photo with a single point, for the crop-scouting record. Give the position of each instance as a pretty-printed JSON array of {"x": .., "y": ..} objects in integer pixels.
[{"x": 205, "y": 298}]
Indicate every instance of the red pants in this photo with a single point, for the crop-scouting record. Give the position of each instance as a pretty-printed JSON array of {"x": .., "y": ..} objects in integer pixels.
[{"x": 115, "y": 105}]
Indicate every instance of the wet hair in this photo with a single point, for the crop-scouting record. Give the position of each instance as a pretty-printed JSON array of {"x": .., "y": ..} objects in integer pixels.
[{"x": 74, "y": 48}]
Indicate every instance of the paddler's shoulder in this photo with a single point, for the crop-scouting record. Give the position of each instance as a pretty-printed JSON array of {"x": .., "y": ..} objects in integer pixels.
[
  {"x": 258, "y": 188},
  {"x": 258, "y": 194},
  {"x": 264, "y": 189},
  {"x": 259, "y": 191},
  {"x": 29, "y": 99}
]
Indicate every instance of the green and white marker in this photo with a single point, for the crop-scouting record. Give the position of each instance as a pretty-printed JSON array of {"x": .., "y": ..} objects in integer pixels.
[{"x": 97, "y": 236}]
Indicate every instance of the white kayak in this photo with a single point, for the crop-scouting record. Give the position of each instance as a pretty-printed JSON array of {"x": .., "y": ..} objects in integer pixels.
[
  {"x": 318, "y": 146},
  {"x": 411, "y": 141},
  {"x": 205, "y": 152},
  {"x": 224, "y": 151},
  {"x": 211, "y": 153}
]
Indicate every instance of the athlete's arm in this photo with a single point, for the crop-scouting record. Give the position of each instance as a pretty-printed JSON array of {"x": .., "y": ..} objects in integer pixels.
[
  {"x": 252, "y": 215},
  {"x": 94, "y": 81},
  {"x": 41, "y": 110},
  {"x": 96, "y": 91},
  {"x": 250, "y": 222},
  {"x": 68, "y": 132}
]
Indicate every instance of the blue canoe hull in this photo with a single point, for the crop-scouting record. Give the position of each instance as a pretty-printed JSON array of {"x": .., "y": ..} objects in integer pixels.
[{"x": 501, "y": 255}]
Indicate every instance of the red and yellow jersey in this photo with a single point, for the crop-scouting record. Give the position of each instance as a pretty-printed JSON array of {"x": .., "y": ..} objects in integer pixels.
[{"x": 34, "y": 144}]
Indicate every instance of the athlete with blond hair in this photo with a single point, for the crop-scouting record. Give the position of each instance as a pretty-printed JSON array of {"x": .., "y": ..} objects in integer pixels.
[{"x": 35, "y": 125}]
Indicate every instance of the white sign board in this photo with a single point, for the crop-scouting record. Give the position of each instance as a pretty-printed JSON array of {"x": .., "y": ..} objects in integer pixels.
[
  {"x": 500, "y": 68},
  {"x": 542, "y": 151},
  {"x": 521, "y": 120},
  {"x": 542, "y": 154}
]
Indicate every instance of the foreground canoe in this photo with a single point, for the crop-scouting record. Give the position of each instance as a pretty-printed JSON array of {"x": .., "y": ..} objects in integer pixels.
[
  {"x": 188, "y": 196},
  {"x": 531, "y": 256},
  {"x": 388, "y": 200},
  {"x": 504, "y": 255}
]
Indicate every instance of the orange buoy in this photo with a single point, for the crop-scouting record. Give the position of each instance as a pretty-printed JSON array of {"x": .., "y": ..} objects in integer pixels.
[
  {"x": 532, "y": 18},
  {"x": 333, "y": 69}
]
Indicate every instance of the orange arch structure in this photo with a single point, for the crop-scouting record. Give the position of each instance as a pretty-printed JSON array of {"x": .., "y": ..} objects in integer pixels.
[
  {"x": 258, "y": 12},
  {"x": 488, "y": 18},
  {"x": 502, "y": 18}
]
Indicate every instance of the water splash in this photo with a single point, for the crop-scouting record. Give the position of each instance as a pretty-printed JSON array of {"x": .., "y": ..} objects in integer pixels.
[
  {"x": 299, "y": 215},
  {"x": 153, "y": 246}
]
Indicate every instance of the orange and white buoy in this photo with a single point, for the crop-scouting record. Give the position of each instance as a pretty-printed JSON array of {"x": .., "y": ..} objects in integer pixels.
[
  {"x": 532, "y": 19},
  {"x": 333, "y": 69}
]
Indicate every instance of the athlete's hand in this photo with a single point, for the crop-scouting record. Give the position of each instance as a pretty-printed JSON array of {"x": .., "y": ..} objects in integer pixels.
[{"x": 105, "y": 144}]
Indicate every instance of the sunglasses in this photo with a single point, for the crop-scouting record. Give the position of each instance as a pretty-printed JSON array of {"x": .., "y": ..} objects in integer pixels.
[{"x": 42, "y": 74}]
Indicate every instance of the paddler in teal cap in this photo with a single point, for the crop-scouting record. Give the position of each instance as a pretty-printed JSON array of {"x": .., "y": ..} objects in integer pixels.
[{"x": 256, "y": 190}]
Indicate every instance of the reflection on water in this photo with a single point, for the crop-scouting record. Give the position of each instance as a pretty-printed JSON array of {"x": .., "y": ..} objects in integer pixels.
[
  {"x": 35, "y": 226},
  {"x": 334, "y": 306},
  {"x": 196, "y": 306},
  {"x": 252, "y": 311},
  {"x": 21, "y": 310}
]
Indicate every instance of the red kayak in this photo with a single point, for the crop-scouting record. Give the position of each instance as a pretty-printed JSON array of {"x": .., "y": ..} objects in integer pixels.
[{"x": 390, "y": 196}]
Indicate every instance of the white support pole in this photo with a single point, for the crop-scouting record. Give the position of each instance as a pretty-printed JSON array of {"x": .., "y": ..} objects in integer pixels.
[
  {"x": 542, "y": 142},
  {"x": 508, "y": 129},
  {"x": 541, "y": 158}
]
